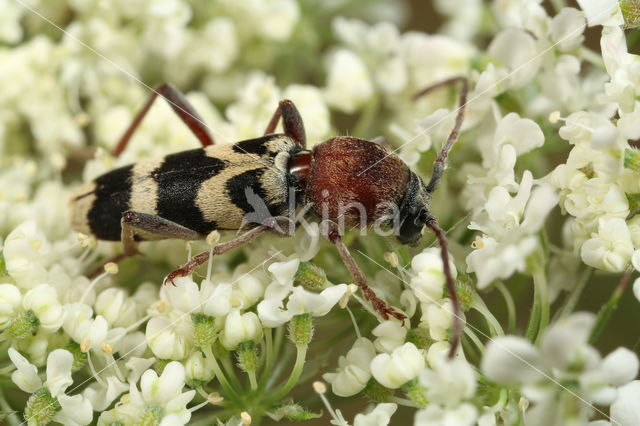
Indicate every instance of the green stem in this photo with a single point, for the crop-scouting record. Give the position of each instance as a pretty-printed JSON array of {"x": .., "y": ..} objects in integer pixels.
[
  {"x": 511, "y": 306},
  {"x": 479, "y": 305},
  {"x": 576, "y": 294},
  {"x": 228, "y": 368},
  {"x": 534, "y": 319},
  {"x": 540, "y": 283},
  {"x": 301, "y": 353},
  {"x": 472, "y": 336},
  {"x": 219, "y": 373},
  {"x": 605, "y": 313},
  {"x": 252, "y": 379},
  {"x": 269, "y": 355},
  {"x": 10, "y": 413}
]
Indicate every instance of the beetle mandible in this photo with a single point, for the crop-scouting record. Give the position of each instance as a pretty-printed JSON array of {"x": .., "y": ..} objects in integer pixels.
[{"x": 187, "y": 195}]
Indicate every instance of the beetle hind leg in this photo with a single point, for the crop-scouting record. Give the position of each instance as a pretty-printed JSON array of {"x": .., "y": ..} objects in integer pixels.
[{"x": 280, "y": 225}]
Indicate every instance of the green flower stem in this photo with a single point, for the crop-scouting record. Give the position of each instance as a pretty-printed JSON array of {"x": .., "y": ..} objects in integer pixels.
[
  {"x": 576, "y": 294},
  {"x": 605, "y": 312},
  {"x": 228, "y": 368},
  {"x": 591, "y": 57},
  {"x": 511, "y": 306},
  {"x": 269, "y": 356},
  {"x": 540, "y": 313},
  {"x": 479, "y": 305},
  {"x": 403, "y": 402},
  {"x": 541, "y": 286},
  {"x": 472, "y": 336},
  {"x": 11, "y": 416},
  {"x": 301, "y": 354},
  {"x": 219, "y": 373}
]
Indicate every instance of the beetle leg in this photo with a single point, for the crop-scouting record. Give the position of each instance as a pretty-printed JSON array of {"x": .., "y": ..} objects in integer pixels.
[
  {"x": 333, "y": 235},
  {"x": 143, "y": 227},
  {"x": 280, "y": 225},
  {"x": 180, "y": 105},
  {"x": 438, "y": 165},
  {"x": 291, "y": 121}
]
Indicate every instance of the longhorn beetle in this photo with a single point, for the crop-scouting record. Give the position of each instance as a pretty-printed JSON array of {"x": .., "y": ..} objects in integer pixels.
[{"x": 189, "y": 194}]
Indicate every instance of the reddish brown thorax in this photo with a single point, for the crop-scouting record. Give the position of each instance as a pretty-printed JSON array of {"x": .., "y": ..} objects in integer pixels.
[{"x": 347, "y": 172}]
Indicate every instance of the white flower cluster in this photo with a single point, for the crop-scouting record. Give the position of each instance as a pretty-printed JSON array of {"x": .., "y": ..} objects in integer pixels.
[{"x": 115, "y": 347}]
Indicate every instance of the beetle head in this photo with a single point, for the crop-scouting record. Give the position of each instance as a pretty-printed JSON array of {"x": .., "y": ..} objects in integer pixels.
[{"x": 414, "y": 211}]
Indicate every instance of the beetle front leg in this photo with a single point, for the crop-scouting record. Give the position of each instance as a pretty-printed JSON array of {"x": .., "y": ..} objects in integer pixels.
[
  {"x": 279, "y": 224},
  {"x": 291, "y": 121},
  {"x": 182, "y": 108},
  {"x": 333, "y": 235}
]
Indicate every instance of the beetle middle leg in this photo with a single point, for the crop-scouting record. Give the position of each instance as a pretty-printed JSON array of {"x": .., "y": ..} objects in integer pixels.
[
  {"x": 334, "y": 236},
  {"x": 279, "y": 224},
  {"x": 182, "y": 108}
]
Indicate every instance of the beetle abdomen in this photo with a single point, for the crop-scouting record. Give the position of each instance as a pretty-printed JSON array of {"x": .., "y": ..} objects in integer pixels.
[{"x": 202, "y": 189}]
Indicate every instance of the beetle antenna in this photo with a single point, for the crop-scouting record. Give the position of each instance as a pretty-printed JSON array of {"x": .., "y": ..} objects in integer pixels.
[
  {"x": 439, "y": 164},
  {"x": 432, "y": 223}
]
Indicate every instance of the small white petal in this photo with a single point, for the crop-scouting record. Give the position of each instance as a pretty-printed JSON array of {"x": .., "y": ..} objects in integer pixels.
[
  {"x": 511, "y": 360},
  {"x": 625, "y": 410},
  {"x": 26, "y": 375},
  {"x": 59, "y": 364}
]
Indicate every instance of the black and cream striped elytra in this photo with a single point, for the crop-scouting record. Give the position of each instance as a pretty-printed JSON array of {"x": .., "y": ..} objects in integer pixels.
[{"x": 201, "y": 189}]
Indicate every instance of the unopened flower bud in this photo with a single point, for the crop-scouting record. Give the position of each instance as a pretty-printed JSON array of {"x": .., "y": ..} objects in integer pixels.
[
  {"x": 631, "y": 13},
  {"x": 79, "y": 357},
  {"x": 204, "y": 331},
  {"x": 416, "y": 392},
  {"x": 632, "y": 159},
  {"x": 41, "y": 407},
  {"x": 24, "y": 325},
  {"x": 301, "y": 329},
  {"x": 420, "y": 337},
  {"x": 311, "y": 277},
  {"x": 247, "y": 356},
  {"x": 376, "y": 392},
  {"x": 465, "y": 291}
]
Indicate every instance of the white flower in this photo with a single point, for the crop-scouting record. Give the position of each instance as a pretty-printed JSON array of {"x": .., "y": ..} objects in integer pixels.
[
  {"x": 390, "y": 334},
  {"x": 169, "y": 340},
  {"x": 602, "y": 12},
  {"x": 517, "y": 50},
  {"x": 101, "y": 395},
  {"x": 435, "y": 415},
  {"x": 353, "y": 369},
  {"x": 564, "y": 356},
  {"x": 239, "y": 328},
  {"x": 10, "y": 302},
  {"x": 449, "y": 383},
  {"x": 79, "y": 323},
  {"x": 24, "y": 252},
  {"x": 43, "y": 301},
  {"x": 198, "y": 367},
  {"x": 379, "y": 416},
  {"x": 394, "y": 370},
  {"x": 75, "y": 409},
  {"x": 625, "y": 410},
  {"x": 428, "y": 283},
  {"x": 116, "y": 307},
  {"x": 164, "y": 392},
  {"x": 567, "y": 27},
  {"x": 611, "y": 248},
  {"x": 348, "y": 82},
  {"x": 437, "y": 317}
]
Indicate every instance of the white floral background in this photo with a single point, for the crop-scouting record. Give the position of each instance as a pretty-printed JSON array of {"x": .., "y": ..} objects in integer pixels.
[{"x": 540, "y": 203}]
